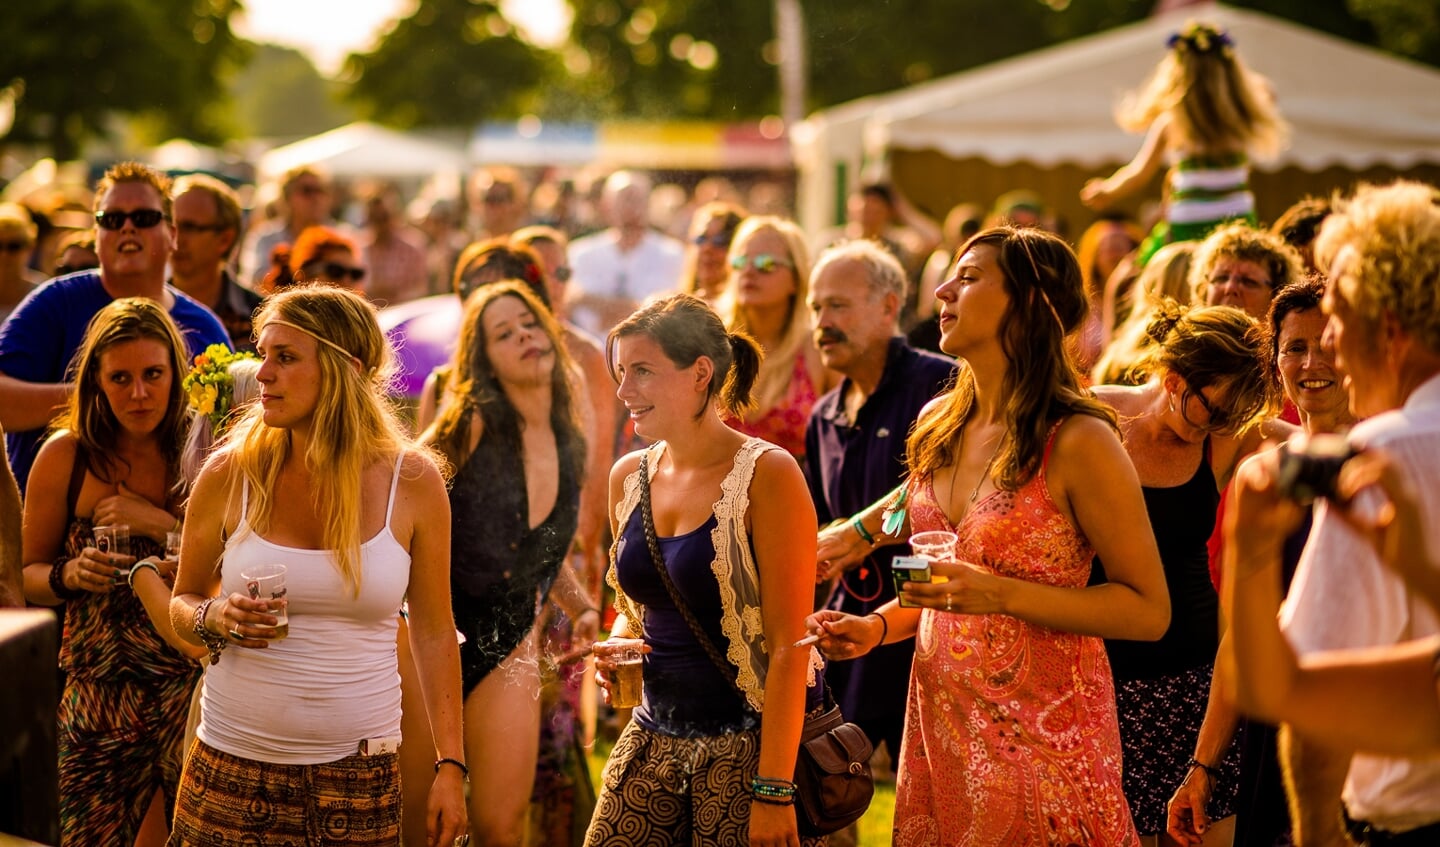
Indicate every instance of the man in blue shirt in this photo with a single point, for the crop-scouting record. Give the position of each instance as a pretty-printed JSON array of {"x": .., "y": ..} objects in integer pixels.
[
  {"x": 855, "y": 453},
  {"x": 134, "y": 239}
]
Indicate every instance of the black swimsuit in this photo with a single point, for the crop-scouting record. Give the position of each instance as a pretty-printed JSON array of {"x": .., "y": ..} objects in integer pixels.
[{"x": 501, "y": 569}]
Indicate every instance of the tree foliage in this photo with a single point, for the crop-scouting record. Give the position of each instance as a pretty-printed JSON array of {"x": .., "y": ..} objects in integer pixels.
[
  {"x": 451, "y": 63},
  {"x": 280, "y": 94},
  {"x": 77, "y": 62},
  {"x": 719, "y": 59}
]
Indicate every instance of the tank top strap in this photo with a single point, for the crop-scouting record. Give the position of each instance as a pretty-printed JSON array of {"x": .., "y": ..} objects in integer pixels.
[
  {"x": 394, "y": 486},
  {"x": 1050, "y": 444}
]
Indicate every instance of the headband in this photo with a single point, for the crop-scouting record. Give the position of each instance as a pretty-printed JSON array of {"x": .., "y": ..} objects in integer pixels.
[{"x": 327, "y": 342}]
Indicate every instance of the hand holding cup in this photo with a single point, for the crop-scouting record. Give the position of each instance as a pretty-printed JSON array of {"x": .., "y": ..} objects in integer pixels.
[{"x": 618, "y": 663}]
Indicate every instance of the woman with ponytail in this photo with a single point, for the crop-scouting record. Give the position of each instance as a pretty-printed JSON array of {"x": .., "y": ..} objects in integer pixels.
[{"x": 709, "y": 753}]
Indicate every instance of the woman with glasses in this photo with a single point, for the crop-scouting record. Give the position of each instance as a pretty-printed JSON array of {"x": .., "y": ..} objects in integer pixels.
[
  {"x": 765, "y": 298},
  {"x": 712, "y": 229},
  {"x": 1205, "y": 394},
  {"x": 1010, "y": 730},
  {"x": 322, "y": 254}
]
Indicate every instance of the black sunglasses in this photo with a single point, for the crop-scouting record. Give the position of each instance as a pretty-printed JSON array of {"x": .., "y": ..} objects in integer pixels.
[
  {"x": 1216, "y": 420},
  {"x": 143, "y": 218},
  {"x": 333, "y": 271},
  {"x": 13, "y": 246}
]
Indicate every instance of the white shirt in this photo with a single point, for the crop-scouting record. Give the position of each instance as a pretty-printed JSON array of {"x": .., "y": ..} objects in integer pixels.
[
  {"x": 1344, "y": 597},
  {"x": 334, "y": 681},
  {"x": 601, "y": 268}
]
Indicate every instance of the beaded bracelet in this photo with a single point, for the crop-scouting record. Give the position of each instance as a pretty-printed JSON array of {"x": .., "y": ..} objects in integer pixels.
[
  {"x": 860, "y": 528},
  {"x": 214, "y": 643},
  {"x": 781, "y": 791},
  {"x": 137, "y": 567},
  {"x": 884, "y": 627},
  {"x": 57, "y": 582},
  {"x": 446, "y": 760},
  {"x": 775, "y": 801}
]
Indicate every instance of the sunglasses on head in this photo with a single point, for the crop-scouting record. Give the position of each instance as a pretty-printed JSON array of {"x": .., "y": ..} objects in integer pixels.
[
  {"x": 763, "y": 262},
  {"x": 333, "y": 271},
  {"x": 722, "y": 241},
  {"x": 142, "y": 218}
]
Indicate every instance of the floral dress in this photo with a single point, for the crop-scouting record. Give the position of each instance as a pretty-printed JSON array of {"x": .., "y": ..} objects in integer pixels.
[{"x": 1010, "y": 729}]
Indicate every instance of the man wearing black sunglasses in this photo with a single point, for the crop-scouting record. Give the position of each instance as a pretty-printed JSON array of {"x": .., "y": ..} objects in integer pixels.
[{"x": 134, "y": 238}]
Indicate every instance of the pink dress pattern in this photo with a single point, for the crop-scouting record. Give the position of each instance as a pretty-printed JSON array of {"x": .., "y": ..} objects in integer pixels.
[
  {"x": 784, "y": 423},
  {"x": 1010, "y": 731}
]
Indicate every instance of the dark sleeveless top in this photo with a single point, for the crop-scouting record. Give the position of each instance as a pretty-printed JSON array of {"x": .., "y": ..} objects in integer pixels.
[
  {"x": 501, "y": 569},
  {"x": 109, "y": 637},
  {"x": 684, "y": 692},
  {"x": 1183, "y": 517}
]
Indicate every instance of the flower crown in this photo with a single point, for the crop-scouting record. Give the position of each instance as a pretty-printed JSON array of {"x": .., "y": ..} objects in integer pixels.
[
  {"x": 1200, "y": 38},
  {"x": 209, "y": 387}
]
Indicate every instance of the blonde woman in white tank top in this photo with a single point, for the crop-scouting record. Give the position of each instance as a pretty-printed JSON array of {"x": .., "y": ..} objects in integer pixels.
[{"x": 298, "y": 732}]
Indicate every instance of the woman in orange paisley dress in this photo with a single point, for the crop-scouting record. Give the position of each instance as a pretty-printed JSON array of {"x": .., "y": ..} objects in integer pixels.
[{"x": 1010, "y": 732}]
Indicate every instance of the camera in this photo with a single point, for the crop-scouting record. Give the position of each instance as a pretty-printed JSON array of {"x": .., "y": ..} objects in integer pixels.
[
  {"x": 1310, "y": 466},
  {"x": 909, "y": 569}
]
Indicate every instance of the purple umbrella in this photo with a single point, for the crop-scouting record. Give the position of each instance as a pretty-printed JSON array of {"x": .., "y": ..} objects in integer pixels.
[{"x": 424, "y": 333}]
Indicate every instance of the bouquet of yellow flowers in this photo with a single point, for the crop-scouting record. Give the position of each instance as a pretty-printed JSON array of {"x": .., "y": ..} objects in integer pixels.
[{"x": 209, "y": 387}]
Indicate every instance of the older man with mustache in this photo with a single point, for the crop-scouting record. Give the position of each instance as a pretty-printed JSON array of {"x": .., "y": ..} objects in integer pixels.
[{"x": 855, "y": 450}]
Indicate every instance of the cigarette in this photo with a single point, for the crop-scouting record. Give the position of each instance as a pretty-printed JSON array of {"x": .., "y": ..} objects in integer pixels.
[
  {"x": 575, "y": 656},
  {"x": 808, "y": 640}
]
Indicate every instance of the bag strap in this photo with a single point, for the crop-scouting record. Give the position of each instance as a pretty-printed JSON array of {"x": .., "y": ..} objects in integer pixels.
[{"x": 658, "y": 560}]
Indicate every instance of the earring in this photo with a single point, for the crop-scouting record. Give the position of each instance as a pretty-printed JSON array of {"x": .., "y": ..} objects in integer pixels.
[{"x": 1170, "y": 400}]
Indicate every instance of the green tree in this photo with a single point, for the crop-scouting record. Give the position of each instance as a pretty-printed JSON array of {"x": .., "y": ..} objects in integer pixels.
[
  {"x": 451, "y": 63},
  {"x": 281, "y": 94},
  {"x": 718, "y": 58},
  {"x": 78, "y": 62}
]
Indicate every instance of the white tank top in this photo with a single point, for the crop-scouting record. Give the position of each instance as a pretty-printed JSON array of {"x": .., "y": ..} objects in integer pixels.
[{"x": 313, "y": 696}]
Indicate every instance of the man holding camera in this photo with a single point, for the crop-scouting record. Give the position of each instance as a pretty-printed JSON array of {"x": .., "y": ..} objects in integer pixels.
[{"x": 1381, "y": 250}]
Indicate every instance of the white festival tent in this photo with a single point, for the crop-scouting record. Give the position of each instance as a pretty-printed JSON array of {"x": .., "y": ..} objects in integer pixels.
[
  {"x": 361, "y": 149},
  {"x": 1349, "y": 107}
]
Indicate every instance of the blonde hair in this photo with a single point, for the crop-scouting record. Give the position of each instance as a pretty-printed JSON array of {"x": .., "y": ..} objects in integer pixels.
[
  {"x": 1165, "y": 278},
  {"x": 1214, "y": 103},
  {"x": 1394, "y": 233},
  {"x": 779, "y": 364},
  {"x": 1241, "y": 241},
  {"x": 354, "y": 421}
]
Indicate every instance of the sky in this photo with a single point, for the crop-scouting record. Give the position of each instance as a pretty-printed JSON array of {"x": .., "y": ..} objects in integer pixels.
[{"x": 327, "y": 30}]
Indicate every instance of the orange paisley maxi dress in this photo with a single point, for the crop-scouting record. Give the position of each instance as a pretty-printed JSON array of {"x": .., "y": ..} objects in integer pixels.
[{"x": 1010, "y": 731}]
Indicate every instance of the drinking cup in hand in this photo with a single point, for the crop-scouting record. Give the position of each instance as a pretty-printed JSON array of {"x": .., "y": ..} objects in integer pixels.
[{"x": 267, "y": 582}]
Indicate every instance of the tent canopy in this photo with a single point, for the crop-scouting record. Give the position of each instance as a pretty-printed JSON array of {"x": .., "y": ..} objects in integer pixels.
[
  {"x": 366, "y": 150},
  {"x": 1348, "y": 106}
]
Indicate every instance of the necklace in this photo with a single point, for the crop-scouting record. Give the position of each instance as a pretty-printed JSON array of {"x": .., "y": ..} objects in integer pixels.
[{"x": 984, "y": 475}]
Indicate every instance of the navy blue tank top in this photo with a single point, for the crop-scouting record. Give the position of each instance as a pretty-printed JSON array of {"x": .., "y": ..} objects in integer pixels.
[{"x": 684, "y": 694}]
